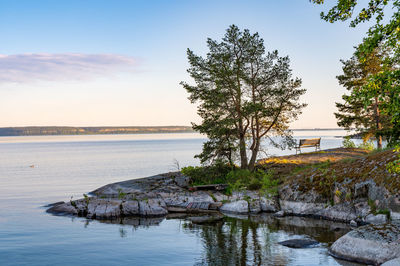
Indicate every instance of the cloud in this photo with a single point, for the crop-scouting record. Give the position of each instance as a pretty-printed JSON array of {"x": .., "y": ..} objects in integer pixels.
[{"x": 25, "y": 68}]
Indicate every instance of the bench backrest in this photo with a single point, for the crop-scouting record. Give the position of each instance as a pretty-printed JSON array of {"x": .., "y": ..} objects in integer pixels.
[{"x": 309, "y": 142}]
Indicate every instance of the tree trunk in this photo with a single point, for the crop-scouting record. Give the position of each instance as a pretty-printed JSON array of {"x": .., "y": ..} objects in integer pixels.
[
  {"x": 378, "y": 124},
  {"x": 253, "y": 158},
  {"x": 243, "y": 153}
]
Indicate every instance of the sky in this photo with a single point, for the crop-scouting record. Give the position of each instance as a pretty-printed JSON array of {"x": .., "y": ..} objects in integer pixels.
[{"x": 119, "y": 63}]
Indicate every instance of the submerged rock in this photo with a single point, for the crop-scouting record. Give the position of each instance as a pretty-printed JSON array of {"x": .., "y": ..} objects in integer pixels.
[
  {"x": 299, "y": 243},
  {"x": 370, "y": 244}
]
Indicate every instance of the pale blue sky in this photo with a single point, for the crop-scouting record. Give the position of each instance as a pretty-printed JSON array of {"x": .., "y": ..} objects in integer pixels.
[{"x": 88, "y": 63}]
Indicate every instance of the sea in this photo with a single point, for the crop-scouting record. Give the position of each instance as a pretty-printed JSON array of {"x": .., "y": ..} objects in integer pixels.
[{"x": 40, "y": 170}]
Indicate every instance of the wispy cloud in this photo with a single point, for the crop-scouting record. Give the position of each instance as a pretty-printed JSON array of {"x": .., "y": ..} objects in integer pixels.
[{"x": 25, "y": 68}]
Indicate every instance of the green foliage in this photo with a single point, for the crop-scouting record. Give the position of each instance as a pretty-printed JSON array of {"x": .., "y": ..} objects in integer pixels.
[
  {"x": 394, "y": 166},
  {"x": 244, "y": 179},
  {"x": 244, "y": 94},
  {"x": 205, "y": 175},
  {"x": 348, "y": 143},
  {"x": 236, "y": 179},
  {"x": 379, "y": 87},
  {"x": 366, "y": 145},
  {"x": 87, "y": 199},
  {"x": 121, "y": 194},
  {"x": 372, "y": 205}
]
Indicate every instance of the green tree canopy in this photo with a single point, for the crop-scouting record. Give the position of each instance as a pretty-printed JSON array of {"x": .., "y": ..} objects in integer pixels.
[
  {"x": 244, "y": 95},
  {"x": 384, "y": 33}
]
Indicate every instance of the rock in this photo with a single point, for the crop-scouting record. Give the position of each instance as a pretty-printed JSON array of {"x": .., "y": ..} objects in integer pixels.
[
  {"x": 279, "y": 214},
  {"x": 240, "y": 206},
  {"x": 63, "y": 208},
  {"x": 299, "y": 243},
  {"x": 395, "y": 215},
  {"x": 182, "y": 181},
  {"x": 343, "y": 212},
  {"x": 103, "y": 208},
  {"x": 393, "y": 262},
  {"x": 376, "y": 219},
  {"x": 205, "y": 219},
  {"x": 254, "y": 206},
  {"x": 353, "y": 223},
  {"x": 130, "y": 207},
  {"x": 269, "y": 204},
  {"x": 152, "y": 207},
  {"x": 369, "y": 244}
]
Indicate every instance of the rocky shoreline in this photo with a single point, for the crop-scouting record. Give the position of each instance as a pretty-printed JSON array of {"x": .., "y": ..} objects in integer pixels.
[{"x": 376, "y": 241}]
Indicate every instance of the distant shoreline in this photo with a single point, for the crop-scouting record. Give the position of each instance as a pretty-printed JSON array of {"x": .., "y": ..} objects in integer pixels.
[
  {"x": 55, "y": 130},
  {"x": 64, "y": 130}
]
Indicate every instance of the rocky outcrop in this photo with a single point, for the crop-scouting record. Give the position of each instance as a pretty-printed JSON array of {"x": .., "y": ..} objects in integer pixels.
[
  {"x": 370, "y": 244},
  {"x": 159, "y": 195}
]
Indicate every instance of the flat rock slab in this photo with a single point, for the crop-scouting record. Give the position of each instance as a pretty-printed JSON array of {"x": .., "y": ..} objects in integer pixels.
[
  {"x": 370, "y": 244},
  {"x": 299, "y": 243}
]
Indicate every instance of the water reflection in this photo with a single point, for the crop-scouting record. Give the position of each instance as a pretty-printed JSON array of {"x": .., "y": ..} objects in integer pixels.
[{"x": 248, "y": 240}]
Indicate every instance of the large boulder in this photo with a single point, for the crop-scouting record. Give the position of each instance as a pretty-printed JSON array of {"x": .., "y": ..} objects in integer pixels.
[
  {"x": 240, "y": 206},
  {"x": 370, "y": 244}
]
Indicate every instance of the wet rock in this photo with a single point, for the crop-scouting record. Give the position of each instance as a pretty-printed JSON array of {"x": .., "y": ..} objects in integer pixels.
[
  {"x": 254, "y": 206},
  {"x": 269, "y": 204},
  {"x": 299, "y": 243},
  {"x": 63, "y": 208},
  {"x": 205, "y": 219},
  {"x": 130, "y": 207},
  {"x": 376, "y": 219},
  {"x": 152, "y": 207},
  {"x": 370, "y": 244},
  {"x": 353, "y": 223},
  {"x": 344, "y": 212},
  {"x": 279, "y": 214},
  {"x": 240, "y": 206},
  {"x": 103, "y": 208}
]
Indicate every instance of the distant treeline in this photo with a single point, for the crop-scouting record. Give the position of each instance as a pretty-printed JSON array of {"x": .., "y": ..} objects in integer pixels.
[{"x": 37, "y": 131}]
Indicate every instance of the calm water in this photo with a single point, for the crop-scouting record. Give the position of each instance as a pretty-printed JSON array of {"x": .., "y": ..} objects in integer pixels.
[{"x": 66, "y": 166}]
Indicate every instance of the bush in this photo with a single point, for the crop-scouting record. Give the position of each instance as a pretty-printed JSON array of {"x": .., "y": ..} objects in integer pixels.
[
  {"x": 205, "y": 175},
  {"x": 239, "y": 180},
  {"x": 394, "y": 166},
  {"x": 366, "y": 145},
  {"x": 236, "y": 179},
  {"x": 348, "y": 143}
]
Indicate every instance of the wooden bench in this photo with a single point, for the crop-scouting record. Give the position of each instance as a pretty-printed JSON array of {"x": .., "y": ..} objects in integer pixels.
[{"x": 306, "y": 143}]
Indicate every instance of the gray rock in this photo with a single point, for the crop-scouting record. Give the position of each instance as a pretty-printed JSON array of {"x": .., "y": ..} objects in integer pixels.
[
  {"x": 152, "y": 207},
  {"x": 299, "y": 243},
  {"x": 205, "y": 219},
  {"x": 279, "y": 214},
  {"x": 353, "y": 223},
  {"x": 182, "y": 181},
  {"x": 240, "y": 206},
  {"x": 63, "y": 208},
  {"x": 370, "y": 244},
  {"x": 269, "y": 204},
  {"x": 130, "y": 207},
  {"x": 393, "y": 262},
  {"x": 376, "y": 219},
  {"x": 103, "y": 208},
  {"x": 254, "y": 206}
]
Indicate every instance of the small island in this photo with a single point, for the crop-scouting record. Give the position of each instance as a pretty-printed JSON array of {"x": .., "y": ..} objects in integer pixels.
[{"x": 348, "y": 185}]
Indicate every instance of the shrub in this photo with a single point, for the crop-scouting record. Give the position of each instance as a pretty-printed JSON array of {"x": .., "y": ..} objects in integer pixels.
[
  {"x": 348, "y": 143},
  {"x": 366, "y": 145},
  {"x": 258, "y": 180},
  {"x": 205, "y": 175},
  {"x": 394, "y": 167}
]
